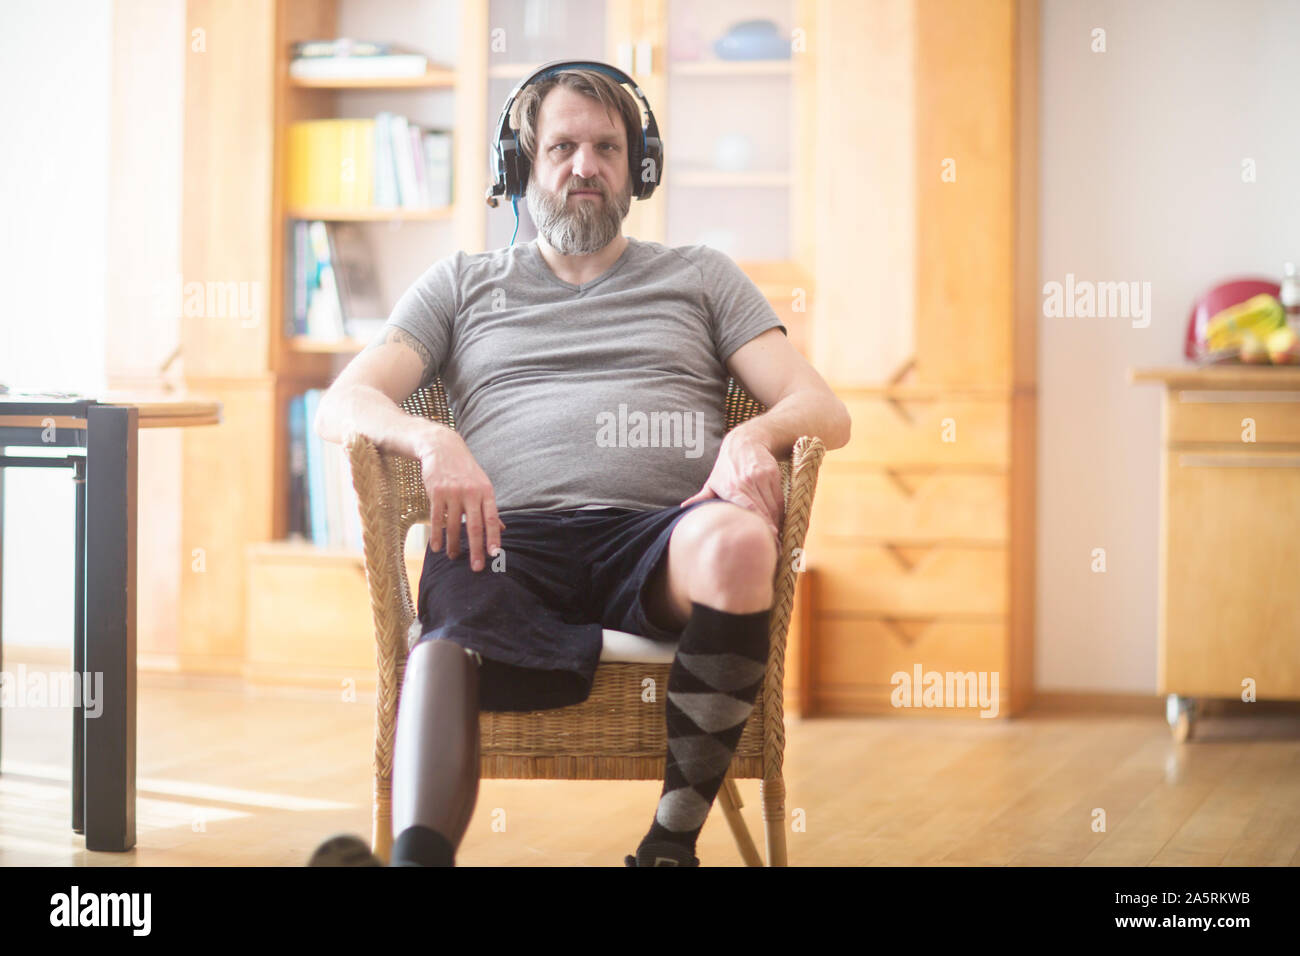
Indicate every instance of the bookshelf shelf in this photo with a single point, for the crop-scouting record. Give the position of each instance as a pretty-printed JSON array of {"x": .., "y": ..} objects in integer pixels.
[
  {"x": 721, "y": 177},
  {"x": 731, "y": 68},
  {"x": 301, "y": 343},
  {"x": 510, "y": 71},
  {"x": 433, "y": 79},
  {"x": 370, "y": 214},
  {"x": 301, "y": 551}
]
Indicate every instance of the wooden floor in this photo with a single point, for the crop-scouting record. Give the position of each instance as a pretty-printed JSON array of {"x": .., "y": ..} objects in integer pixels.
[{"x": 232, "y": 776}]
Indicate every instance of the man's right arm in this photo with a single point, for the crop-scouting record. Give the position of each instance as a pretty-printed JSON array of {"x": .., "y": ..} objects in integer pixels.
[
  {"x": 366, "y": 395},
  {"x": 364, "y": 398}
]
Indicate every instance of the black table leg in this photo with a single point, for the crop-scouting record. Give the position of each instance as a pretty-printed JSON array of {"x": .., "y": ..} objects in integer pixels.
[
  {"x": 110, "y": 626},
  {"x": 79, "y": 650},
  {"x": 2, "y": 572}
]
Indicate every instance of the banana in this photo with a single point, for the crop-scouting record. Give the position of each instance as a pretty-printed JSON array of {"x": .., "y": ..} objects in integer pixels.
[{"x": 1259, "y": 315}]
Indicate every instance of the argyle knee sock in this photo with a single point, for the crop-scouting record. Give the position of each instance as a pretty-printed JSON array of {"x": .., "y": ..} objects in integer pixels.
[{"x": 712, "y": 685}]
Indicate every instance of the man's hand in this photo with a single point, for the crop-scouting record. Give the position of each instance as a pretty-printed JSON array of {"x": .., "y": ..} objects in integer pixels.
[
  {"x": 747, "y": 474},
  {"x": 456, "y": 485}
]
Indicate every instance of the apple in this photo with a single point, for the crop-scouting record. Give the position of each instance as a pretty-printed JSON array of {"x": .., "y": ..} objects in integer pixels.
[
  {"x": 1283, "y": 346},
  {"x": 1253, "y": 351}
]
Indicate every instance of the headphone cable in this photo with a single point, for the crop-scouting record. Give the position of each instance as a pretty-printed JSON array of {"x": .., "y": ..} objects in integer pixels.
[{"x": 514, "y": 204}]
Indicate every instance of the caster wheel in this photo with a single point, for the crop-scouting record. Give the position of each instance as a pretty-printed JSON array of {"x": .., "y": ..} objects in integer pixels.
[{"x": 1180, "y": 713}]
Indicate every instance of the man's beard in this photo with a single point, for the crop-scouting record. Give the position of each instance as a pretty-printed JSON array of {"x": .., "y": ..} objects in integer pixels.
[{"x": 581, "y": 227}]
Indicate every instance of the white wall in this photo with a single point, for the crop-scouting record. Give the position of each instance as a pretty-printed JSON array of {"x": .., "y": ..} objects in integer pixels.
[
  {"x": 54, "y": 69},
  {"x": 1141, "y": 164}
]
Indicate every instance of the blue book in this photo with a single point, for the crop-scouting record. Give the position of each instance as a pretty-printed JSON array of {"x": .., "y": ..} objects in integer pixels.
[
  {"x": 315, "y": 470},
  {"x": 299, "y": 518}
]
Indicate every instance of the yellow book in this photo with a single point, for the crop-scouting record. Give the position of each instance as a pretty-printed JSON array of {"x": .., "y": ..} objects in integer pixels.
[
  {"x": 354, "y": 160},
  {"x": 365, "y": 164},
  {"x": 347, "y": 165},
  {"x": 324, "y": 178},
  {"x": 295, "y": 191}
]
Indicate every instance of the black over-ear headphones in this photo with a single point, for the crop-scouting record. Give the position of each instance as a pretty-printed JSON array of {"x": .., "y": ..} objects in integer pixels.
[{"x": 512, "y": 166}]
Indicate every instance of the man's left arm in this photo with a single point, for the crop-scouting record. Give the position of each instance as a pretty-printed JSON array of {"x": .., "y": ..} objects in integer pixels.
[{"x": 799, "y": 402}]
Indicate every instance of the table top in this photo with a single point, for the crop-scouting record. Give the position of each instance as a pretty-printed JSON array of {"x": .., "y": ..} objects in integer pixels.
[
  {"x": 1219, "y": 376},
  {"x": 156, "y": 409}
]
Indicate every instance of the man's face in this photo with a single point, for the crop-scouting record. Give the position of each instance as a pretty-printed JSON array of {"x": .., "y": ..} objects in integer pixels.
[{"x": 579, "y": 190}]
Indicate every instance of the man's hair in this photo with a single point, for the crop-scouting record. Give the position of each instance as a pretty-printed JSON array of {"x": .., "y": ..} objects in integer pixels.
[{"x": 601, "y": 87}]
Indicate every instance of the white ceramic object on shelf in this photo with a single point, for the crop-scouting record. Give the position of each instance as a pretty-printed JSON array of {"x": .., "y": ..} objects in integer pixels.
[{"x": 733, "y": 152}]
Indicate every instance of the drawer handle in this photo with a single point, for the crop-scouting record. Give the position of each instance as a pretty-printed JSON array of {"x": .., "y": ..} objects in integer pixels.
[
  {"x": 899, "y": 557},
  {"x": 1200, "y": 396},
  {"x": 893, "y": 624},
  {"x": 900, "y": 410},
  {"x": 908, "y": 491},
  {"x": 1238, "y": 461}
]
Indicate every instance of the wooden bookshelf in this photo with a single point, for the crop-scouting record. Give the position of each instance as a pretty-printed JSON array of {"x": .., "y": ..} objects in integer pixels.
[{"x": 246, "y": 614}]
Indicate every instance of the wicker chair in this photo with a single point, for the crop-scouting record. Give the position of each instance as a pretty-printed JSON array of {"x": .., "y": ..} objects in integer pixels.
[{"x": 612, "y": 735}]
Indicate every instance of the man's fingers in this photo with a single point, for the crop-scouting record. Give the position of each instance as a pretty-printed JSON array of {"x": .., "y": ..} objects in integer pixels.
[
  {"x": 474, "y": 531},
  {"x": 436, "y": 522},
  {"x": 454, "y": 511},
  {"x": 494, "y": 526},
  {"x": 776, "y": 497},
  {"x": 701, "y": 495}
]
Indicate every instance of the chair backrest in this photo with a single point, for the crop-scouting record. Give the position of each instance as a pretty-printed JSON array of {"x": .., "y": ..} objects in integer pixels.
[{"x": 431, "y": 402}]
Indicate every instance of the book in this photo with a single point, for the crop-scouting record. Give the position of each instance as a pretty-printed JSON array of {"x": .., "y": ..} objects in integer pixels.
[
  {"x": 299, "y": 261},
  {"x": 315, "y": 469},
  {"x": 299, "y": 516},
  {"x": 331, "y": 163},
  {"x": 417, "y": 161},
  {"x": 342, "y": 46},
  {"x": 359, "y": 67},
  {"x": 384, "y": 169},
  {"x": 354, "y": 274},
  {"x": 437, "y": 159},
  {"x": 324, "y": 310},
  {"x": 356, "y": 176},
  {"x": 404, "y": 163}
]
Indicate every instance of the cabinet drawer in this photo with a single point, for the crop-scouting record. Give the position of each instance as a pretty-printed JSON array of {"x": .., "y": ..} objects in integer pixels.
[
  {"x": 890, "y": 579},
  {"x": 1215, "y": 415},
  {"x": 901, "y": 505},
  {"x": 927, "y": 432},
  {"x": 870, "y": 651}
]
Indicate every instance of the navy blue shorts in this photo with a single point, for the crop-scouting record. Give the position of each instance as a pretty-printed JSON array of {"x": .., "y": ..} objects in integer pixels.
[{"x": 537, "y": 623}]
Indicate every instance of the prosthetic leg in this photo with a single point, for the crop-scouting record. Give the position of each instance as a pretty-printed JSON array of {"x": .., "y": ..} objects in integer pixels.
[{"x": 436, "y": 760}]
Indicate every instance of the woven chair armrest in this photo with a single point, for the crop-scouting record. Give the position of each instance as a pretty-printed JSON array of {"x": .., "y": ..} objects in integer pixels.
[
  {"x": 805, "y": 462},
  {"x": 384, "y": 546}
]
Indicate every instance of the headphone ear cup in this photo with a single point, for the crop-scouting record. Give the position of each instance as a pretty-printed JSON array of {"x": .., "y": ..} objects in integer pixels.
[
  {"x": 513, "y": 159},
  {"x": 525, "y": 168}
]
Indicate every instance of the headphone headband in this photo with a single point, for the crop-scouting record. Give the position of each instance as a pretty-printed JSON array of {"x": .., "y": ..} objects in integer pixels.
[{"x": 511, "y": 167}]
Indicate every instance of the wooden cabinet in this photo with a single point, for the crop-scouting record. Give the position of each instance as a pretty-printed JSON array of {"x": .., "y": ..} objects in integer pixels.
[
  {"x": 1230, "y": 535},
  {"x": 922, "y": 532}
]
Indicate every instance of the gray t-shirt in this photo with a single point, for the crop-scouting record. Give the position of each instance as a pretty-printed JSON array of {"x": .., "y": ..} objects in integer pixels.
[{"x": 608, "y": 393}]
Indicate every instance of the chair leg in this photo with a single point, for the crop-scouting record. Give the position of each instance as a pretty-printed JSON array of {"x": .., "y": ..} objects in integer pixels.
[
  {"x": 729, "y": 798},
  {"x": 387, "y": 702},
  {"x": 381, "y": 835},
  {"x": 772, "y": 793}
]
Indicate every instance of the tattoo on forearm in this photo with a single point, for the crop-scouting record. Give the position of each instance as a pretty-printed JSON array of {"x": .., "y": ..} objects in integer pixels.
[{"x": 403, "y": 337}]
